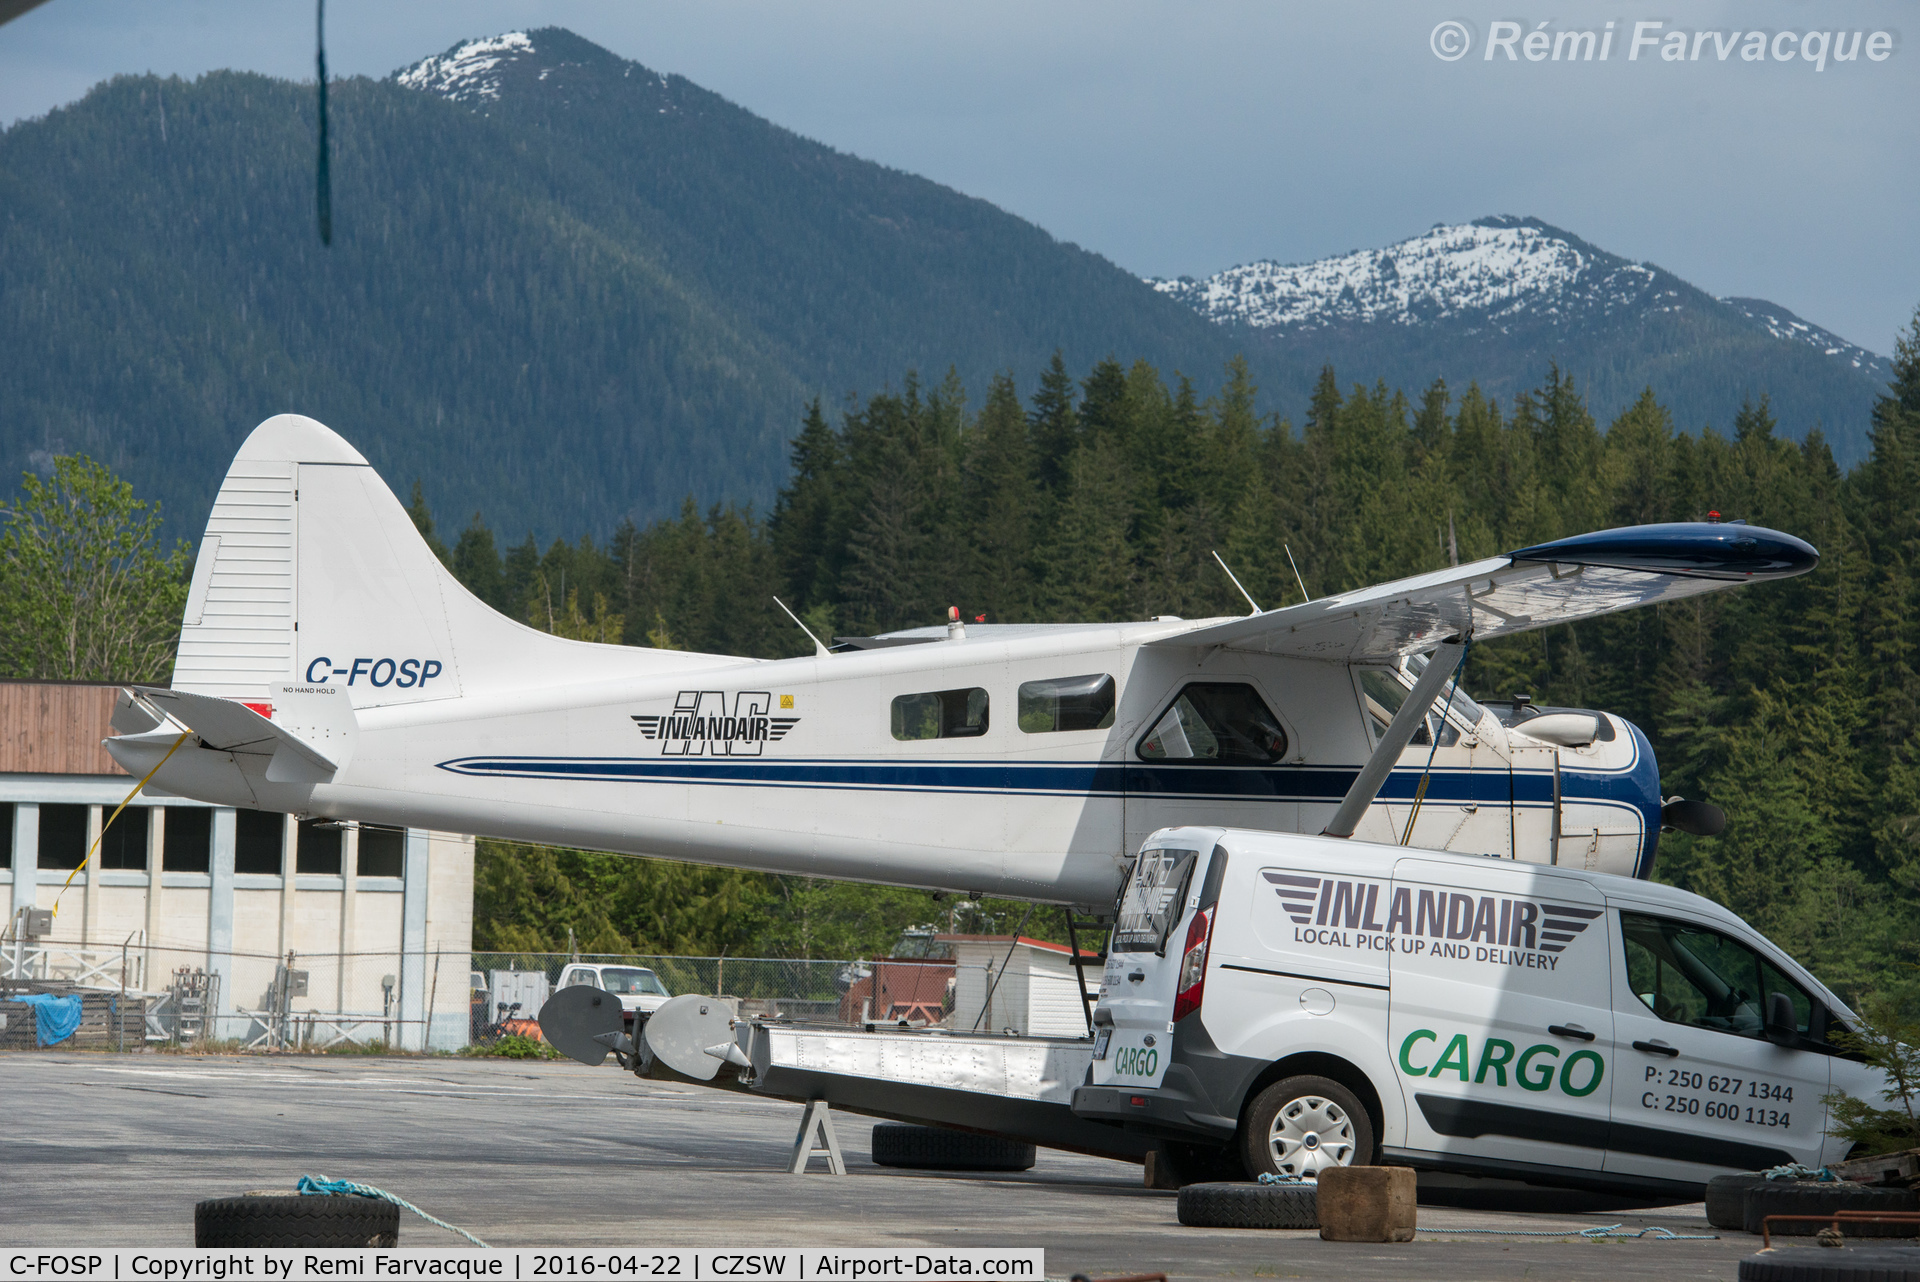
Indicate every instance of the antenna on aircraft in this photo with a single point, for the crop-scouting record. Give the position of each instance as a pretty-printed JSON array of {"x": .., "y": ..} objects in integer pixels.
[
  {"x": 819, "y": 650},
  {"x": 1296, "y": 574},
  {"x": 1236, "y": 583}
]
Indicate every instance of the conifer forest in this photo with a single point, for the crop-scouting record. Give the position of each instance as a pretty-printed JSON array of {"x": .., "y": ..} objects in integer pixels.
[{"x": 1103, "y": 495}]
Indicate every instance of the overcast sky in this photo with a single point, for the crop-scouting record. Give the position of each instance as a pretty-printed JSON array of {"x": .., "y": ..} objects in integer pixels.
[{"x": 1178, "y": 138}]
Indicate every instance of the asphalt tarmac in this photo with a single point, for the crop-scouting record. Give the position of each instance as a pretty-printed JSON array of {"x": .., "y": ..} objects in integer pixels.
[{"x": 113, "y": 1150}]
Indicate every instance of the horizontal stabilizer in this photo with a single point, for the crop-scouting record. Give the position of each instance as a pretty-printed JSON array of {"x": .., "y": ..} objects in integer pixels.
[
  {"x": 309, "y": 736},
  {"x": 1559, "y": 582}
]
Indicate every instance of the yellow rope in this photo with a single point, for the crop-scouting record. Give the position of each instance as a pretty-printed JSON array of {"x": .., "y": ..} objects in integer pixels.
[{"x": 94, "y": 849}]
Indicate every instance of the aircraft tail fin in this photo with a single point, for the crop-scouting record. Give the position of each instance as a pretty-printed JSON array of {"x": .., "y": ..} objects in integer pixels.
[{"x": 311, "y": 573}]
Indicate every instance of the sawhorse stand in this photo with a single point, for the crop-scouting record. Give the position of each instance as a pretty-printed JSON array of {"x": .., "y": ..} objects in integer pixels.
[{"x": 818, "y": 1119}]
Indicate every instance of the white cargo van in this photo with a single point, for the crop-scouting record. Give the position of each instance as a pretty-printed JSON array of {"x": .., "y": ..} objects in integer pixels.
[{"x": 1300, "y": 1002}]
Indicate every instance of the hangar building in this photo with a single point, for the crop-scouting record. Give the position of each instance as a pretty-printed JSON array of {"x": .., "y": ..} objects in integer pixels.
[{"x": 182, "y": 885}]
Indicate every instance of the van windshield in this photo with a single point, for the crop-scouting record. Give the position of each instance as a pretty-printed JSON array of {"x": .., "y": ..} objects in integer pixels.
[
  {"x": 632, "y": 981},
  {"x": 1150, "y": 905}
]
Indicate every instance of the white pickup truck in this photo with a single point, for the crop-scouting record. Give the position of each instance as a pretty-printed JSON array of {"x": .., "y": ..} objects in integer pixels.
[{"x": 639, "y": 989}]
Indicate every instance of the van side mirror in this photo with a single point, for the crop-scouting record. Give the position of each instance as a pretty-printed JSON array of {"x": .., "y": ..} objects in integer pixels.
[{"x": 1781, "y": 1029}]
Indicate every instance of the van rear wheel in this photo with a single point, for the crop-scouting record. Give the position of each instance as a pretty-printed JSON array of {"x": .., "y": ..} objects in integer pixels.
[{"x": 1302, "y": 1125}]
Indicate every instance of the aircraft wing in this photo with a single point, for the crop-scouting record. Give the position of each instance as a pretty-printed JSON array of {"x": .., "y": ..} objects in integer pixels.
[{"x": 1577, "y": 578}]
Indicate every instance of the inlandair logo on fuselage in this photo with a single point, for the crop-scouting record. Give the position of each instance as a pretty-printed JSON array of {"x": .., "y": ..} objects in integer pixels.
[
  {"x": 1514, "y": 932},
  {"x": 702, "y": 724}
]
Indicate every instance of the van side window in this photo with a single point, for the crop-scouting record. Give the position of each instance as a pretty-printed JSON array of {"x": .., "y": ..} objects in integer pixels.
[
  {"x": 1153, "y": 901},
  {"x": 1216, "y": 723},
  {"x": 943, "y": 714},
  {"x": 1687, "y": 974},
  {"x": 1067, "y": 703}
]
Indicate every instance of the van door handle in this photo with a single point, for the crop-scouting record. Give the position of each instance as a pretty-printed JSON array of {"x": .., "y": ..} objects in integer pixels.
[
  {"x": 1574, "y": 1031},
  {"x": 1657, "y": 1048},
  {"x": 1136, "y": 977}
]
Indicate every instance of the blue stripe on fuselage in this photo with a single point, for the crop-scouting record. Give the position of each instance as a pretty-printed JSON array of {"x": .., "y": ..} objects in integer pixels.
[{"x": 1244, "y": 783}]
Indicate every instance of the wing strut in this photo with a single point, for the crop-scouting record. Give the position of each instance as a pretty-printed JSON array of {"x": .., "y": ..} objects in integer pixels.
[{"x": 1366, "y": 786}]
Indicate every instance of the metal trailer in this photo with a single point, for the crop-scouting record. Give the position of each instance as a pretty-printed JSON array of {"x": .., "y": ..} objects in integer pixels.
[{"x": 1014, "y": 1087}]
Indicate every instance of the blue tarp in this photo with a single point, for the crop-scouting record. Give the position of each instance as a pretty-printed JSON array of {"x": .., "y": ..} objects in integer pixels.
[{"x": 54, "y": 1018}]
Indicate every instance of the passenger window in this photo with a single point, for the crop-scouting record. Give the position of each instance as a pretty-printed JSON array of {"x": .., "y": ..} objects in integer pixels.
[
  {"x": 943, "y": 714},
  {"x": 1687, "y": 974},
  {"x": 1216, "y": 723},
  {"x": 1382, "y": 697},
  {"x": 1067, "y": 703}
]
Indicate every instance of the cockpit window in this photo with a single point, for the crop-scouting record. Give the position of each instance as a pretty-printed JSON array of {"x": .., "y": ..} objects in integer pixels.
[
  {"x": 1382, "y": 694},
  {"x": 1216, "y": 723},
  {"x": 941, "y": 714},
  {"x": 1067, "y": 703},
  {"x": 1464, "y": 707}
]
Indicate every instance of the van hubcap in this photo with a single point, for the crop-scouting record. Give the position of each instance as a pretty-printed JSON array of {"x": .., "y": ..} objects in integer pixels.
[{"x": 1310, "y": 1134}]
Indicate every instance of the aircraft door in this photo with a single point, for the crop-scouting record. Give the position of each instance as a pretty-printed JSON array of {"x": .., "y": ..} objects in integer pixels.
[
  {"x": 1499, "y": 1023},
  {"x": 1535, "y": 793},
  {"x": 1701, "y": 1087},
  {"x": 1464, "y": 801}
]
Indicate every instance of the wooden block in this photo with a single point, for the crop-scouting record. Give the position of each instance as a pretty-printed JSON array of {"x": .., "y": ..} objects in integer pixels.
[
  {"x": 1886, "y": 1168},
  {"x": 1366, "y": 1204}
]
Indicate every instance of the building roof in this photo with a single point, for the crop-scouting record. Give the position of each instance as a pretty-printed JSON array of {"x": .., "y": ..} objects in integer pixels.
[{"x": 55, "y": 728}]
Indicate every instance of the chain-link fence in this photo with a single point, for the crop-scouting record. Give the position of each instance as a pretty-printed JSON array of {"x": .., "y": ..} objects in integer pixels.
[{"x": 448, "y": 1001}]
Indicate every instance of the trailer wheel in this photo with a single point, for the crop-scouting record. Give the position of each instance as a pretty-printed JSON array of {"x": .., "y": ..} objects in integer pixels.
[
  {"x": 296, "y": 1220},
  {"x": 1726, "y": 1198},
  {"x": 1250, "y": 1206},
  {"x": 935, "y": 1148},
  {"x": 1801, "y": 1197},
  {"x": 1300, "y": 1125},
  {"x": 1848, "y": 1264}
]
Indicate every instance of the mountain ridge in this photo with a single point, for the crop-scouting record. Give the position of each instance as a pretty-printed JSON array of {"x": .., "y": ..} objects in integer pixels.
[{"x": 1446, "y": 301}]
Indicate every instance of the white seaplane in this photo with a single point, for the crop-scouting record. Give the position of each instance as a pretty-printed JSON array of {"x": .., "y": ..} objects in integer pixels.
[{"x": 330, "y": 666}]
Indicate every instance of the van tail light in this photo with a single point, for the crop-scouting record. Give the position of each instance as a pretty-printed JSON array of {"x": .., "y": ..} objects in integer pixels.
[{"x": 1192, "y": 984}]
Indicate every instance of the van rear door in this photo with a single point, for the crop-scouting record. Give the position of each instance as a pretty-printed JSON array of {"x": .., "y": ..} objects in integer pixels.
[{"x": 1133, "y": 1031}]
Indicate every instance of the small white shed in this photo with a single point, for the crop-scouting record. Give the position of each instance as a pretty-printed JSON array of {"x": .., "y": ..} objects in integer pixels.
[{"x": 1034, "y": 995}]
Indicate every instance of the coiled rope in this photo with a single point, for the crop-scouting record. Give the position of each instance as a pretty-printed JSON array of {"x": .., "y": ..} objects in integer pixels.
[
  {"x": 320, "y": 1185},
  {"x": 1592, "y": 1235}
]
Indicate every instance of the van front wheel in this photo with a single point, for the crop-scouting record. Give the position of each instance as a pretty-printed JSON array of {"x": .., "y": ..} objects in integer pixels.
[{"x": 1302, "y": 1125}]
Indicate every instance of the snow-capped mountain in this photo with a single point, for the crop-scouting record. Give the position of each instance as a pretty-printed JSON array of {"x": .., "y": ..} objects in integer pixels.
[
  {"x": 1489, "y": 272},
  {"x": 475, "y": 72},
  {"x": 467, "y": 72},
  {"x": 1494, "y": 300}
]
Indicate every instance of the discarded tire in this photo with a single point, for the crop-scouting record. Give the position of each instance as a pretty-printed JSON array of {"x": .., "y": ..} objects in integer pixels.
[
  {"x": 1250, "y": 1206},
  {"x": 1727, "y": 1198},
  {"x": 935, "y": 1148},
  {"x": 300, "y": 1221},
  {"x": 1797, "y": 1197},
  {"x": 1848, "y": 1264}
]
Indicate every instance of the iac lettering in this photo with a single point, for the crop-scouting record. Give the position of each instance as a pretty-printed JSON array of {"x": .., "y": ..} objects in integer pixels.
[
  {"x": 703, "y": 724},
  {"x": 380, "y": 673}
]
